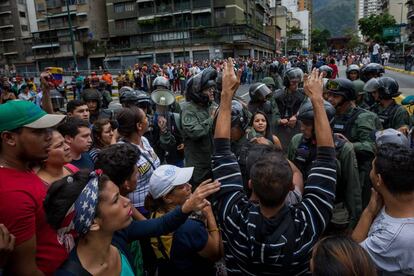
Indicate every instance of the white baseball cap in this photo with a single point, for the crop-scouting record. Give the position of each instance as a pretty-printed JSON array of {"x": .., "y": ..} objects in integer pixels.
[{"x": 167, "y": 177}]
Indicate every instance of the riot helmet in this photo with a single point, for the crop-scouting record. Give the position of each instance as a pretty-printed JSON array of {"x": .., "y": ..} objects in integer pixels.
[
  {"x": 359, "y": 87},
  {"x": 270, "y": 82},
  {"x": 371, "y": 70},
  {"x": 125, "y": 88},
  {"x": 57, "y": 100},
  {"x": 128, "y": 98},
  {"x": 388, "y": 88},
  {"x": 292, "y": 74},
  {"x": 239, "y": 115},
  {"x": 328, "y": 70},
  {"x": 343, "y": 87},
  {"x": 144, "y": 101},
  {"x": 160, "y": 82},
  {"x": 92, "y": 94},
  {"x": 274, "y": 67},
  {"x": 258, "y": 92},
  {"x": 219, "y": 87},
  {"x": 197, "y": 84},
  {"x": 352, "y": 68},
  {"x": 372, "y": 85},
  {"x": 305, "y": 112}
]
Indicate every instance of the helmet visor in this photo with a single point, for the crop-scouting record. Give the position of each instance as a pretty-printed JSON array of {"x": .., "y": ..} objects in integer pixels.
[{"x": 371, "y": 86}]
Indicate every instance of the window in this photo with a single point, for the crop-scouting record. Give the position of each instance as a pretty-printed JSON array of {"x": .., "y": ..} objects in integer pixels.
[
  {"x": 40, "y": 6},
  {"x": 125, "y": 24},
  {"x": 22, "y": 2},
  {"x": 220, "y": 13},
  {"x": 25, "y": 28},
  {"x": 123, "y": 7},
  {"x": 22, "y": 14}
]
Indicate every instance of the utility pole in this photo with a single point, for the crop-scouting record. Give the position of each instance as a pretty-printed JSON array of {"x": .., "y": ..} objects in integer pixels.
[
  {"x": 401, "y": 22},
  {"x": 72, "y": 40}
]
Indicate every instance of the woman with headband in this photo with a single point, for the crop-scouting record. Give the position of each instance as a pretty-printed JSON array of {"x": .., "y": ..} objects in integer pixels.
[{"x": 89, "y": 206}]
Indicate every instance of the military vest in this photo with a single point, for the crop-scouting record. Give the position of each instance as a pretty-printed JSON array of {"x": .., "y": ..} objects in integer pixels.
[
  {"x": 343, "y": 123},
  {"x": 386, "y": 115}
]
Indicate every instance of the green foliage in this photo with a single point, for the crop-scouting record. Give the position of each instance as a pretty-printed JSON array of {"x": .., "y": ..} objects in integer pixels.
[
  {"x": 373, "y": 26},
  {"x": 319, "y": 40},
  {"x": 334, "y": 15},
  {"x": 354, "y": 41}
]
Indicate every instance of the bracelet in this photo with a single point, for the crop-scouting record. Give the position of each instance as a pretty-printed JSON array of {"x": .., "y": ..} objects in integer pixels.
[{"x": 213, "y": 230}]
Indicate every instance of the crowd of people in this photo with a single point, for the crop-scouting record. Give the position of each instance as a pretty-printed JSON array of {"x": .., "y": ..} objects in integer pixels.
[{"x": 313, "y": 175}]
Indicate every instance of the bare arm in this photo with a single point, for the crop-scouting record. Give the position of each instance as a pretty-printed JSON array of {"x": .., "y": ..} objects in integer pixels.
[
  {"x": 46, "y": 101},
  {"x": 212, "y": 249},
  {"x": 368, "y": 215},
  {"x": 23, "y": 259},
  {"x": 314, "y": 90},
  {"x": 230, "y": 84}
]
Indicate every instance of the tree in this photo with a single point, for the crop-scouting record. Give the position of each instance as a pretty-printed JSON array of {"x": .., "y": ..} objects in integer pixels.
[
  {"x": 354, "y": 41},
  {"x": 373, "y": 26},
  {"x": 292, "y": 42},
  {"x": 320, "y": 40}
]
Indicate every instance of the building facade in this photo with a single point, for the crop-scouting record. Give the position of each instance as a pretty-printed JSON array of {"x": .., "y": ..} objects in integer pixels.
[
  {"x": 175, "y": 30},
  {"x": 15, "y": 37},
  {"x": 52, "y": 42},
  {"x": 410, "y": 21}
]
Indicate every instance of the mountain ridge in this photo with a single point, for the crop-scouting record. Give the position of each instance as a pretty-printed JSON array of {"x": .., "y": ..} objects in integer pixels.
[{"x": 334, "y": 15}]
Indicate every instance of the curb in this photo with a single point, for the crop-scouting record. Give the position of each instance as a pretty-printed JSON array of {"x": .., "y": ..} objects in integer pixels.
[{"x": 399, "y": 70}]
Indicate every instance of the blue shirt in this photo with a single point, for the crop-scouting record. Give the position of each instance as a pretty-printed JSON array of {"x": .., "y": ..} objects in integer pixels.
[{"x": 85, "y": 162}]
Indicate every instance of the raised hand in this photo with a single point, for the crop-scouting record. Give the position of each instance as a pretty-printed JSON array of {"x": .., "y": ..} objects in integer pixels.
[
  {"x": 197, "y": 200},
  {"x": 313, "y": 85},
  {"x": 231, "y": 81}
]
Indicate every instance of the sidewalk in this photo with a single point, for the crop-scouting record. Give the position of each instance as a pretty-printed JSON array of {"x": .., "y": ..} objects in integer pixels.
[{"x": 398, "y": 68}]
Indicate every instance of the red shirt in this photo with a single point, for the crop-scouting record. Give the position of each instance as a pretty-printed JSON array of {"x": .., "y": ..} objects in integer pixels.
[
  {"x": 21, "y": 211},
  {"x": 335, "y": 70}
]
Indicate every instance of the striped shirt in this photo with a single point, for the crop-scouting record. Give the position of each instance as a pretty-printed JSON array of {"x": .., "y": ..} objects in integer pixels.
[
  {"x": 147, "y": 163},
  {"x": 251, "y": 243}
]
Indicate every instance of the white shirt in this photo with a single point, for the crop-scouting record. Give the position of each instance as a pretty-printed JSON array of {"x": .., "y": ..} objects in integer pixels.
[
  {"x": 376, "y": 48},
  {"x": 390, "y": 243}
]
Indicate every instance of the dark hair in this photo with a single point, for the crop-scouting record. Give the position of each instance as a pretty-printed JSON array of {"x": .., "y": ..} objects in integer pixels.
[
  {"x": 63, "y": 193},
  {"x": 97, "y": 130},
  {"x": 127, "y": 120},
  {"x": 71, "y": 126},
  {"x": 395, "y": 164},
  {"x": 73, "y": 104},
  {"x": 118, "y": 162},
  {"x": 271, "y": 178},
  {"x": 256, "y": 152},
  {"x": 332, "y": 61},
  {"x": 268, "y": 133},
  {"x": 151, "y": 204},
  {"x": 340, "y": 255}
]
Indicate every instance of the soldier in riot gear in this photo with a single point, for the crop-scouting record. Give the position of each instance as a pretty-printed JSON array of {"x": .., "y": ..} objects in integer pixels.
[
  {"x": 360, "y": 94},
  {"x": 196, "y": 121},
  {"x": 93, "y": 99},
  {"x": 352, "y": 72},
  {"x": 302, "y": 152},
  {"x": 106, "y": 95},
  {"x": 58, "y": 101},
  {"x": 260, "y": 96},
  {"x": 160, "y": 82},
  {"x": 391, "y": 114},
  {"x": 274, "y": 69},
  {"x": 355, "y": 125},
  {"x": 288, "y": 101},
  {"x": 371, "y": 70}
]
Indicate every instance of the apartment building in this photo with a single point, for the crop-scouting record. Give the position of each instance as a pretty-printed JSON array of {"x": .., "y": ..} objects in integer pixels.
[
  {"x": 52, "y": 43},
  {"x": 175, "y": 30},
  {"x": 15, "y": 37},
  {"x": 410, "y": 21}
]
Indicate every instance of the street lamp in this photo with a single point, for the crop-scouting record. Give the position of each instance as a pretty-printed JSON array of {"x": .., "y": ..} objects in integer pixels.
[{"x": 72, "y": 40}]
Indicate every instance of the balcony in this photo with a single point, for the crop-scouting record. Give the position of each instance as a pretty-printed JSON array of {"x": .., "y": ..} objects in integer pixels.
[
  {"x": 182, "y": 6},
  {"x": 261, "y": 3},
  {"x": 201, "y": 4}
]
